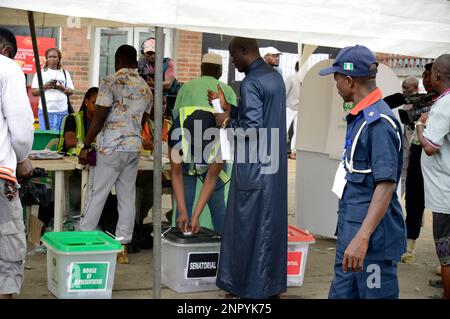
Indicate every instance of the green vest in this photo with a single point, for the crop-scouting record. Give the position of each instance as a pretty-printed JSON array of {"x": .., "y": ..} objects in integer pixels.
[{"x": 79, "y": 133}]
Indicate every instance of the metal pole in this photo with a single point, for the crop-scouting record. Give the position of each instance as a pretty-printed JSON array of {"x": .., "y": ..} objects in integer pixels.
[
  {"x": 37, "y": 62},
  {"x": 157, "y": 168}
]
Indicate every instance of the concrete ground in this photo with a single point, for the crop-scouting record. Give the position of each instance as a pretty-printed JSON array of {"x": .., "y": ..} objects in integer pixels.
[{"x": 135, "y": 279}]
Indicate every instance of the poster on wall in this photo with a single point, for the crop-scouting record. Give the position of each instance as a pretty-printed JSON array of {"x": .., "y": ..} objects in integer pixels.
[{"x": 25, "y": 55}]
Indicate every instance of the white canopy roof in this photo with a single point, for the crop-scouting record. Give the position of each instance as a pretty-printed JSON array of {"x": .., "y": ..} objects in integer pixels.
[{"x": 415, "y": 27}]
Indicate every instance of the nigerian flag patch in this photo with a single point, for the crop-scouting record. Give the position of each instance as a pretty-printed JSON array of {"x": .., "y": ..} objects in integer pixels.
[{"x": 348, "y": 66}]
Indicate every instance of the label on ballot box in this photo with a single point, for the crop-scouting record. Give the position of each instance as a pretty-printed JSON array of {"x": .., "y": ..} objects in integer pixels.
[{"x": 202, "y": 265}]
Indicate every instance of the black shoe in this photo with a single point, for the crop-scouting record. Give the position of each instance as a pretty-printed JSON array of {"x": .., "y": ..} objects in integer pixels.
[
  {"x": 436, "y": 283},
  {"x": 133, "y": 248}
]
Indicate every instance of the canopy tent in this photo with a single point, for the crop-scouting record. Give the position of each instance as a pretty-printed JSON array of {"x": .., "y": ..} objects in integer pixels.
[{"x": 416, "y": 28}]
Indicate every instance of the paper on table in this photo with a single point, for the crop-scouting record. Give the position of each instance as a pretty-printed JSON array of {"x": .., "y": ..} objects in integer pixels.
[{"x": 44, "y": 154}]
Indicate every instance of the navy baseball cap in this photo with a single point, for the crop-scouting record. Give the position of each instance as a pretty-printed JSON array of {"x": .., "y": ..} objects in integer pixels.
[{"x": 353, "y": 61}]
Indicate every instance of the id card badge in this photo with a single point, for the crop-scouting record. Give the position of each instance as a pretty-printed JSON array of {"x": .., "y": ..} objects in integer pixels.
[{"x": 339, "y": 180}]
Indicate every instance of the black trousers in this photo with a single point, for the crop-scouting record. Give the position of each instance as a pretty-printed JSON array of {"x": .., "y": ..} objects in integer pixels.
[{"x": 414, "y": 194}]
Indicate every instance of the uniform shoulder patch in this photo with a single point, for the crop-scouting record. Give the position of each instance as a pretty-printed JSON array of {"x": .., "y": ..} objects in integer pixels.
[{"x": 371, "y": 114}]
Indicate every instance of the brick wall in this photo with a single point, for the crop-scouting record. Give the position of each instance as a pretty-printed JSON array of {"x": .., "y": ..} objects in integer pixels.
[
  {"x": 75, "y": 49},
  {"x": 189, "y": 55}
]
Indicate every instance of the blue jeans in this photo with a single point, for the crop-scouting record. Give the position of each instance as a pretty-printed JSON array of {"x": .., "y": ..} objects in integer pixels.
[
  {"x": 216, "y": 203},
  {"x": 54, "y": 119}
]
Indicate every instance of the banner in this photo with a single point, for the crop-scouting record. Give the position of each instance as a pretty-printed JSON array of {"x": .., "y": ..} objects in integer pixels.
[{"x": 25, "y": 55}]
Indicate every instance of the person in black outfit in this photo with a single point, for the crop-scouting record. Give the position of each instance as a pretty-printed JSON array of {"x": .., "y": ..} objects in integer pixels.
[{"x": 414, "y": 193}]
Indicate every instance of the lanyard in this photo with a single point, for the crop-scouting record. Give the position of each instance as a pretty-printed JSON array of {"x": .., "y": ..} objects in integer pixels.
[{"x": 348, "y": 141}]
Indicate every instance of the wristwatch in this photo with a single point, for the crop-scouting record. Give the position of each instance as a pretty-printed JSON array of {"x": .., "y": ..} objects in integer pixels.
[{"x": 86, "y": 146}]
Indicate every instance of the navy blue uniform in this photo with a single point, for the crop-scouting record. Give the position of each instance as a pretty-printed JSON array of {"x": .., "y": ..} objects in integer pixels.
[{"x": 379, "y": 149}]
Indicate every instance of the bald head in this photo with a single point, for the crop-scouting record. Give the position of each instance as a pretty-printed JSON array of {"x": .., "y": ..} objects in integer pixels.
[
  {"x": 442, "y": 64},
  {"x": 410, "y": 86},
  {"x": 440, "y": 73},
  {"x": 243, "y": 52}
]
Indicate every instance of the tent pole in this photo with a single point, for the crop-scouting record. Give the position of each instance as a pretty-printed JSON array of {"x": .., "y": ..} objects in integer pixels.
[
  {"x": 157, "y": 166},
  {"x": 38, "y": 68}
]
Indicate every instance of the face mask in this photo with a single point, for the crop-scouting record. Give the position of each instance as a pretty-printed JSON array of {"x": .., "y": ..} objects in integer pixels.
[{"x": 347, "y": 106}]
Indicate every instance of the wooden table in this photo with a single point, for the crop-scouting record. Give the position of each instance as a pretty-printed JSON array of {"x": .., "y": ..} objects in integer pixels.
[{"x": 59, "y": 166}]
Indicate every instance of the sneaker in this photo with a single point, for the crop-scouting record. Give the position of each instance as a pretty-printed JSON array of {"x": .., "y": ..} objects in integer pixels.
[
  {"x": 436, "y": 283},
  {"x": 122, "y": 257},
  {"x": 408, "y": 258},
  {"x": 133, "y": 247}
]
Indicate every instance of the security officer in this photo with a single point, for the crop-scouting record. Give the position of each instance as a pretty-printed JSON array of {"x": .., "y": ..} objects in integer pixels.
[{"x": 371, "y": 234}]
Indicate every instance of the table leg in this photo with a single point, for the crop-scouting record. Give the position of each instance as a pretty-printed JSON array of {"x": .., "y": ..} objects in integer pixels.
[
  {"x": 84, "y": 186},
  {"x": 59, "y": 200}
]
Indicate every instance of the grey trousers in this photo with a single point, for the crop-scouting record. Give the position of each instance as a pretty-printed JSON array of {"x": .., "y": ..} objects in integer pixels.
[
  {"x": 13, "y": 243},
  {"x": 119, "y": 169}
]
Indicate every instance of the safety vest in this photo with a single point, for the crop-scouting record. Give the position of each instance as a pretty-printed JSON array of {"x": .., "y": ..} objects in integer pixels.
[
  {"x": 79, "y": 132},
  {"x": 194, "y": 169}
]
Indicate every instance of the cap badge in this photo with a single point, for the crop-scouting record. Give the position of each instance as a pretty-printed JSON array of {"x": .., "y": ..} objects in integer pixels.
[{"x": 348, "y": 66}]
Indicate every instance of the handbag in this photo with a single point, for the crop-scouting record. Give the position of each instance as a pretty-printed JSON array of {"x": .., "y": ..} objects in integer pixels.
[
  {"x": 70, "y": 109},
  {"x": 36, "y": 190}
]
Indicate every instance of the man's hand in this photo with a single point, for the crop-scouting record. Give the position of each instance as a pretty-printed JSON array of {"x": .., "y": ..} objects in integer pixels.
[
  {"x": 219, "y": 95},
  {"x": 83, "y": 156},
  {"x": 354, "y": 254},
  {"x": 195, "y": 224},
  {"x": 221, "y": 117},
  {"x": 150, "y": 82},
  {"x": 24, "y": 169},
  {"x": 49, "y": 86},
  {"x": 60, "y": 87},
  {"x": 407, "y": 107},
  {"x": 182, "y": 222}
]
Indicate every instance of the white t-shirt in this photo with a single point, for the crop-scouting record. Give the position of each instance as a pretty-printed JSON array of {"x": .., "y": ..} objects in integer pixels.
[
  {"x": 293, "y": 85},
  {"x": 436, "y": 168},
  {"x": 56, "y": 100}
]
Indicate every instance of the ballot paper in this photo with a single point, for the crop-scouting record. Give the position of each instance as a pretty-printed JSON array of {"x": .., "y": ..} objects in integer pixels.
[
  {"x": 217, "y": 107},
  {"x": 226, "y": 145},
  {"x": 339, "y": 181},
  {"x": 44, "y": 154}
]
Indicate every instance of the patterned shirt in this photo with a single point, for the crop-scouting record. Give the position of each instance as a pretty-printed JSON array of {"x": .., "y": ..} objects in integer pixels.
[{"x": 128, "y": 96}]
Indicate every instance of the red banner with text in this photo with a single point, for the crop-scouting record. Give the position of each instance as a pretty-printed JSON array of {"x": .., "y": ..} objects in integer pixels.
[{"x": 25, "y": 55}]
